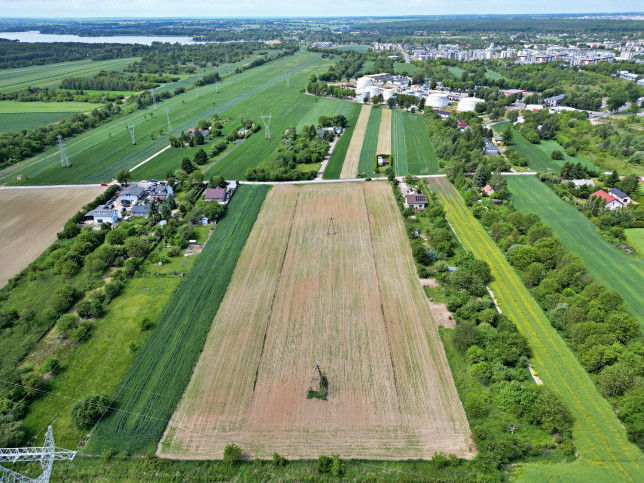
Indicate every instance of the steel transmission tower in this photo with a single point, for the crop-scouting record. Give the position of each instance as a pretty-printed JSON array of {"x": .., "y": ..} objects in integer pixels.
[
  {"x": 288, "y": 80},
  {"x": 167, "y": 114},
  {"x": 267, "y": 122},
  {"x": 154, "y": 101},
  {"x": 46, "y": 455},
  {"x": 197, "y": 91},
  {"x": 131, "y": 129},
  {"x": 64, "y": 160}
]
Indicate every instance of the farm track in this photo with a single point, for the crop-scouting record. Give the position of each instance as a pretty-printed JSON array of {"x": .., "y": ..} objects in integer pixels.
[
  {"x": 308, "y": 297},
  {"x": 352, "y": 159},
  {"x": 579, "y": 235},
  {"x": 599, "y": 437},
  {"x": 384, "y": 134},
  {"x": 334, "y": 168}
]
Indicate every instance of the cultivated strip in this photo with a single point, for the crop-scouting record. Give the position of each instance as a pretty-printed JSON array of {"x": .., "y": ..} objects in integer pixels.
[
  {"x": 352, "y": 159},
  {"x": 384, "y": 134}
]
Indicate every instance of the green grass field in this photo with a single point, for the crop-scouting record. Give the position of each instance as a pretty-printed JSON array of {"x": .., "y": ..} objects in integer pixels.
[
  {"x": 324, "y": 106},
  {"x": 334, "y": 168},
  {"x": 578, "y": 234},
  {"x": 370, "y": 143},
  {"x": 15, "y": 107},
  {"x": 538, "y": 155},
  {"x": 357, "y": 48},
  {"x": 401, "y": 67},
  {"x": 490, "y": 74},
  {"x": 367, "y": 66},
  {"x": 411, "y": 148},
  {"x": 457, "y": 71},
  {"x": 162, "y": 368},
  {"x": 97, "y": 155},
  {"x": 16, "y": 122},
  {"x": 604, "y": 452},
  {"x": 51, "y": 75},
  {"x": 635, "y": 237}
]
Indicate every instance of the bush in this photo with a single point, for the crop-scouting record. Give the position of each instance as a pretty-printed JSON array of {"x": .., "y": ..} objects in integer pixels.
[
  {"x": 112, "y": 289},
  {"x": 89, "y": 309},
  {"x": 440, "y": 460},
  {"x": 67, "y": 324},
  {"x": 50, "y": 364},
  {"x": 63, "y": 298},
  {"x": 557, "y": 155},
  {"x": 145, "y": 323},
  {"x": 232, "y": 453},
  {"x": 278, "y": 460},
  {"x": 571, "y": 151},
  {"x": 86, "y": 412}
]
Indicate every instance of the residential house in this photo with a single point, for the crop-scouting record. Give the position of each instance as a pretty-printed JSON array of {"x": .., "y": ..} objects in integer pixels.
[
  {"x": 141, "y": 210},
  {"x": 442, "y": 114},
  {"x": 232, "y": 187},
  {"x": 216, "y": 194},
  {"x": 132, "y": 193},
  {"x": 160, "y": 192},
  {"x": 611, "y": 202},
  {"x": 417, "y": 201},
  {"x": 620, "y": 195},
  {"x": 554, "y": 100},
  {"x": 490, "y": 149},
  {"x": 579, "y": 182},
  {"x": 487, "y": 190},
  {"x": 103, "y": 214},
  {"x": 462, "y": 125}
]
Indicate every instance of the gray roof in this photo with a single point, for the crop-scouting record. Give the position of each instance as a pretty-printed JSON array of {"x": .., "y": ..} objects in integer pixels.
[
  {"x": 133, "y": 191},
  {"x": 617, "y": 193},
  {"x": 140, "y": 210},
  {"x": 101, "y": 210},
  {"x": 555, "y": 98}
]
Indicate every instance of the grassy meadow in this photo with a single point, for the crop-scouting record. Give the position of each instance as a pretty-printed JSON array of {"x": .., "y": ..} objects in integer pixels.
[
  {"x": 605, "y": 263},
  {"x": 334, "y": 168},
  {"x": 413, "y": 152},
  {"x": 602, "y": 447},
  {"x": 370, "y": 143}
]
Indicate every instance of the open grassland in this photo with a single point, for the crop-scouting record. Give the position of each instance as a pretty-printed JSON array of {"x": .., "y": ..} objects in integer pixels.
[
  {"x": 635, "y": 237},
  {"x": 356, "y": 307},
  {"x": 538, "y": 155},
  {"x": 357, "y": 48},
  {"x": 161, "y": 370},
  {"x": 490, "y": 74},
  {"x": 18, "y": 121},
  {"x": 457, "y": 71},
  {"x": 352, "y": 159},
  {"x": 324, "y": 106},
  {"x": 334, "y": 168},
  {"x": 7, "y": 107},
  {"x": 400, "y": 67},
  {"x": 604, "y": 453},
  {"x": 100, "y": 153},
  {"x": 370, "y": 143},
  {"x": 51, "y": 75},
  {"x": 30, "y": 219},
  {"x": 605, "y": 263},
  {"x": 413, "y": 151},
  {"x": 384, "y": 133}
]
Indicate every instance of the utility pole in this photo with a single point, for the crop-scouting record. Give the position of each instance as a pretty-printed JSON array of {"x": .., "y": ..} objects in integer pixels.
[
  {"x": 64, "y": 160},
  {"x": 131, "y": 129},
  {"x": 167, "y": 114},
  {"x": 330, "y": 230},
  {"x": 45, "y": 455},
  {"x": 267, "y": 122}
]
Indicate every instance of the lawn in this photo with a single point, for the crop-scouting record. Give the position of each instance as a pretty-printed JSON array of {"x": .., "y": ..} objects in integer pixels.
[
  {"x": 490, "y": 74},
  {"x": 334, "y": 168},
  {"x": 370, "y": 142},
  {"x": 400, "y": 67},
  {"x": 538, "y": 155},
  {"x": 635, "y": 237},
  {"x": 51, "y": 75},
  {"x": 600, "y": 440},
  {"x": 97, "y": 155},
  {"x": 161, "y": 370},
  {"x": 457, "y": 71},
  {"x": 605, "y": 263},
  {"x": 413, "y": 152}
]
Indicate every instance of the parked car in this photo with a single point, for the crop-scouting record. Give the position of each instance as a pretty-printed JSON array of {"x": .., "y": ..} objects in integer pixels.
[{"x": 103, "y": 184}]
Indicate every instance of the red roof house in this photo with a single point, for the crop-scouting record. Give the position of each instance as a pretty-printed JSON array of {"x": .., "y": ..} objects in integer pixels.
[
  {"x": 488, "y": 190},
  {"x": 216, "y": 194},
  {"x": 612, "y": 203},
  {"x": 462, "y": 124}
]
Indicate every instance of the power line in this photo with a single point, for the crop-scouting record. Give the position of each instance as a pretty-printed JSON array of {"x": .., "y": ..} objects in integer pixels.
[
  {"x": 154, "y": 101},
  {"x": 267, "y": 122},
  {"x": 131, "y": 129},
  {"x": 64, "y": 160}
]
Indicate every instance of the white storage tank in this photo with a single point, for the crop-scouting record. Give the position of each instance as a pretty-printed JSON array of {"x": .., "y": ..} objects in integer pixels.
[
  {"x": 437, "y": 100},
  {"x": 387, "y": 94},
  {"x": 373, "y": 91},
  {"x": 362, "y": 84},
  {"x": 468, "y": 104}
]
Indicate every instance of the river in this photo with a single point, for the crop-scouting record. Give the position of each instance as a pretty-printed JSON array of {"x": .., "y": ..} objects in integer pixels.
[{"x": 35, "y": 36}]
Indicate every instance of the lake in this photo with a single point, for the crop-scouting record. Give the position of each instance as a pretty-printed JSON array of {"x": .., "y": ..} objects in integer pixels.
[{"x": 35, "y": 36}]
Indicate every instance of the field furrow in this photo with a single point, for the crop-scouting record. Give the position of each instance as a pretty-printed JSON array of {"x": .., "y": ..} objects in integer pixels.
[{"x": 352, "y": 159}]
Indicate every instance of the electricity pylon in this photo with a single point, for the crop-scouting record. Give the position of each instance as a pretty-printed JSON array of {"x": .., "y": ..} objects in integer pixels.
[
  {"x": 46, "y": 455},
  {"x": 288, "y": 79},
  {"x": 131, "y": 129},
  {"x": 154, "y": 101},
  {"x": 167, "y": 114},
  {"x": 267, "y": 122},
  {"x": 64, "y": 160}
]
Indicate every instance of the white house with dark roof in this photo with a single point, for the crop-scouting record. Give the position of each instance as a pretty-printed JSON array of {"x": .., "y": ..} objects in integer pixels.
[
  {"x": 417, "y": 201},
  {"x": 141, "y": 210},
  {"x": 160, "y": 192},
  {"x": 103, "y": 214},
  {"x": 620, "y": 195}
]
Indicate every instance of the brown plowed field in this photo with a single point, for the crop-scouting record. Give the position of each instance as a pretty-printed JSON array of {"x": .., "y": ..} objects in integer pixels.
[
  {"x": 350, "y": 301},
  {"x": 30, "y": 219},
  {"x": 352, "y": 158},
  {"x": 384, "y": 133}
]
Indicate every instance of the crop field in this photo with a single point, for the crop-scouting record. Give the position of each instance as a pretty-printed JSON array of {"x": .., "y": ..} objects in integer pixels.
[
  {"x": 97, "y": 155},
  {"x": 352, "y": 159},
  {"x": 384, "y": 133},
  {"x": 413, "y": 151},
  {"x": 357, "y": 48},
  {"x": 164, "y": 364},
  {"x": 538, "y": 155},
  {"x": 600, "y": 440},
  {"x": 324, "y": 106},
  {"x": 370, "y": 142},
  {"x": 16, "y": 121},
  {"x": 635, "y": 237},
  {"x": 30, "y": 219},
  {"x": 7, "y": 107},
  {"x": 356, "y": 307},
  {"x": 605, "y": 263},
  {"x": 51, "y": 75},
  {"x": 334, "y": 168}
]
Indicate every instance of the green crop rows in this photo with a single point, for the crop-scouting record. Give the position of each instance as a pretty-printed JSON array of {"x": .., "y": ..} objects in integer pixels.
[
  {"x": 51, "y": 75},
  {"x": 29, "y": 120},
  {"x": 600, "y": 440},
  {"x": 156, "y": 380},
  {"x": 411, "y": 148},
  {"x": 334, "y": 168},
  {"x": 538, "y": 155},
  {"x": 578, "y": 234},
  {"x": 324, "y": 106},
  {"x": 370, "y": 142}
]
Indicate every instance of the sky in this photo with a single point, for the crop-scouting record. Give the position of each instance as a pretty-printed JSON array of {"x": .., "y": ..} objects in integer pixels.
[{"x": 290, "y": 8}]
